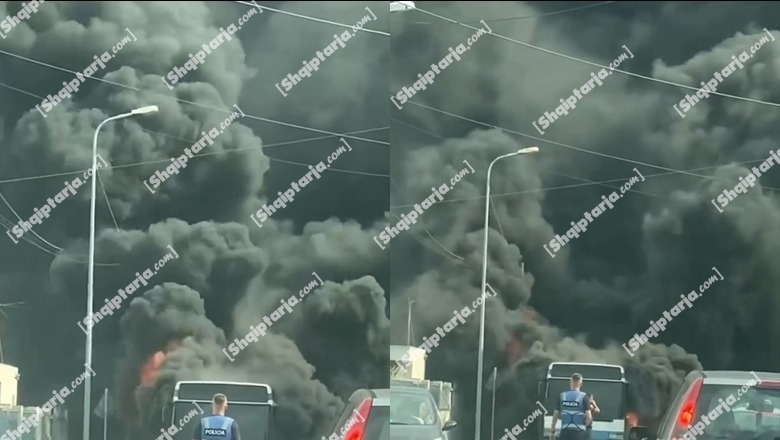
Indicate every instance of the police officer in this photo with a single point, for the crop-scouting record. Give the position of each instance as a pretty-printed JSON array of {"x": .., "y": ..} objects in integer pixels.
[
  {"x": 574, "y": 411},
  {"x": 217, "y": 426}
]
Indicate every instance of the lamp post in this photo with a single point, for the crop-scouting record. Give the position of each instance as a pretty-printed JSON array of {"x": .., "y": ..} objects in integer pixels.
[
  {"x": 91, "y": 268},
  {"x": 478, "y": 414}
]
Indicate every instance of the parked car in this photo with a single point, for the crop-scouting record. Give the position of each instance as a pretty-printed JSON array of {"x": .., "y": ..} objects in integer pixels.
[
  {"x": 366, "y": 416},
  {"x": 414, "y": 415},
  {"x": 753, "y": 411}
]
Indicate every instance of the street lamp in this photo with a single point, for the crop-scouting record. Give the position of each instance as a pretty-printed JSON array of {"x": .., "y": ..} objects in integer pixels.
[
  {"x": 91, "y": 269},
  {"x": 402, "y": 6},
  {"x": 484, "y": 286}
]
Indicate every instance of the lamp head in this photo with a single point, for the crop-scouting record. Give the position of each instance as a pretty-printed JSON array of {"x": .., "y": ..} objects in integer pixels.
[
  {"x": 402, "y": 6},
  {"x": 529, "y": 150},
  {"x": 145, "y": 110}
]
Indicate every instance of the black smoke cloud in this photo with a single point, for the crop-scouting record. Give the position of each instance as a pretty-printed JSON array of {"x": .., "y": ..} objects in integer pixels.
[
  {"x": 229, "y": 273},
  {"x": 636, "y": 259}
]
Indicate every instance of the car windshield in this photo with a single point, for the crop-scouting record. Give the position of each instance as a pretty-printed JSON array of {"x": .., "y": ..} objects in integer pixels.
[
  {"x": 412, "y": 409},
  {"x": 754, "y": 415}
]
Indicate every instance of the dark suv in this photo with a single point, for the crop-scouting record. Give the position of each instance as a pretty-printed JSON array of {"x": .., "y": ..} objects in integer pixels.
[
  {"x": 722, "y": 405},
  {"x": 366, "y": 416}
]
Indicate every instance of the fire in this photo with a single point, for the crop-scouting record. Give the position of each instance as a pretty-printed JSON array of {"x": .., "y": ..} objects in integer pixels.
[
  {"x": 151, "y": 369},
  {"x": 632, "y": 419}
]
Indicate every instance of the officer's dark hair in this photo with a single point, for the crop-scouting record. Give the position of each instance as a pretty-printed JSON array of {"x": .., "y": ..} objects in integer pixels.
[{"x": 219, "y": 399}]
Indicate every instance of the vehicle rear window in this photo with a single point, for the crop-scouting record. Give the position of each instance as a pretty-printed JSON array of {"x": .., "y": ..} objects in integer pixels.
[
  {"x": 379, "y": 423},
  {"x": 754, "y": 415}
]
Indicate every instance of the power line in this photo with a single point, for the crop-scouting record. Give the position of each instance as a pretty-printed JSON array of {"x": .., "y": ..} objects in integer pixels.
[
  {"x": 537, "y": 15},
  {"x": 571, "y": 147},
  {"x": 167, "y": 161},
  {"x": 105, "y": 196},
  {"x": 20, "y": 219},
  {"x": 577, "y": 185},
  {"x": 571, "y": 58},
  {"x": 9, "y": 224},
  {"x": 318, "y": 20},
  {"x": 550, "y": 171},
  {"x": 286, "y": 124}
]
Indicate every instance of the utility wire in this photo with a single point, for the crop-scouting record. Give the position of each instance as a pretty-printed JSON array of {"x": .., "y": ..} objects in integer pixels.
[
  {"x": 571, "y": 58},
  {"x": 318, "y": 20}
]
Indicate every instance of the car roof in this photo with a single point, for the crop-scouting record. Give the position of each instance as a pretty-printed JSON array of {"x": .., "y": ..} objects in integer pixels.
[{"x": 723, "y": 377}]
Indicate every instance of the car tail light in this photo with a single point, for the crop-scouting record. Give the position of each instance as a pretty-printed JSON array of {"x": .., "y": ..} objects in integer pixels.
[
  {"x": 358, "y": 430},
  {"x": 688, "y": 410}
]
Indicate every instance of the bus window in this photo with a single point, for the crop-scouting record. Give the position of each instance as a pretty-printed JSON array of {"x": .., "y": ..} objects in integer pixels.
[{"x": 593, "y": 371}]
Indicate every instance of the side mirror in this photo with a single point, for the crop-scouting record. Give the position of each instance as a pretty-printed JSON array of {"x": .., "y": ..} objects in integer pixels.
[
  {"x": 638, "y": 433},
  {"x": 449, "y": 426}
]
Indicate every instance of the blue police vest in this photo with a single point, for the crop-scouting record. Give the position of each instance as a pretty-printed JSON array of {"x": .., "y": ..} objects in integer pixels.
[
  {"x": 216, "y": 427},
  {"x": 573, "y": 410}
]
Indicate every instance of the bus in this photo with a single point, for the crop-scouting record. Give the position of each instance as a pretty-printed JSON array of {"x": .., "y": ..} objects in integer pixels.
[
  {"x": 250, "y": 404},
  {"x": 607, "y": 384}
]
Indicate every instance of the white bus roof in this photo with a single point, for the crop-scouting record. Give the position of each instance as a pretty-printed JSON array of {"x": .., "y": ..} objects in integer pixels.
[
  {"x": 569, "y": 370},
  {"x": 205, "y": 399}
]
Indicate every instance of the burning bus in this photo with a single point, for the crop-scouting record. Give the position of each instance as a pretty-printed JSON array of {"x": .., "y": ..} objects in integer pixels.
[{"x": 250, "y": 404}]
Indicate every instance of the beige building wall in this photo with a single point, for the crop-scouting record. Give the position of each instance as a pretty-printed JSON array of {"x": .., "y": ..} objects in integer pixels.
[{"x": 9, "y": 381}]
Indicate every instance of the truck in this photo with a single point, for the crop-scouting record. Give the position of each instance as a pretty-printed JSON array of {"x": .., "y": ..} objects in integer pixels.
[{"x": 412, "y": 373}]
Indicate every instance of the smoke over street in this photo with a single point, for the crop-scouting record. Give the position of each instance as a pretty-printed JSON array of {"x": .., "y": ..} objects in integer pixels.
[
  {"x": 229, "y": 273},
  {"x": 656, "y": 244}
]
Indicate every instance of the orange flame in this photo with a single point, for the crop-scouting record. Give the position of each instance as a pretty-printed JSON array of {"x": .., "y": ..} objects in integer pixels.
[
  {"x": 632, "y": 419},
  {"x": 151, "y": 369}
]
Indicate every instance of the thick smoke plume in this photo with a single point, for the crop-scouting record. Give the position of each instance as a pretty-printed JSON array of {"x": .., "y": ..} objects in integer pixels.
[
  {"x": 634, "y": 261},
  {"x": 229, "y": 273}
]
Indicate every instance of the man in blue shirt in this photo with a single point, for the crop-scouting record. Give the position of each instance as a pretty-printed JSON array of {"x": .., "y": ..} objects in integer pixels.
[
  {"x": 573, "y": 409},
  {"x": 217, "y": 426}
]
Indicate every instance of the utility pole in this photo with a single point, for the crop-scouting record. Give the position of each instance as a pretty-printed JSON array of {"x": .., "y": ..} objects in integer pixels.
[{"x": 409, "y": 323}]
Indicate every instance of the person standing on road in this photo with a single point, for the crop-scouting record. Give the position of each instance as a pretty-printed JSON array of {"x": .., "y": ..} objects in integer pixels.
[
  {"x": 573, "y": 409},
  {"x": 217, "y": 426}
]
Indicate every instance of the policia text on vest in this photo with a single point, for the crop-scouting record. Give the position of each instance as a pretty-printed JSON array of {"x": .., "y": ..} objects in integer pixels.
[{"x": 217, "y": 427}]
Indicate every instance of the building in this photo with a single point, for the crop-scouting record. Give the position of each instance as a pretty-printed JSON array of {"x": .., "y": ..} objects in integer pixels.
[{"x": 9, "y": 384}]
